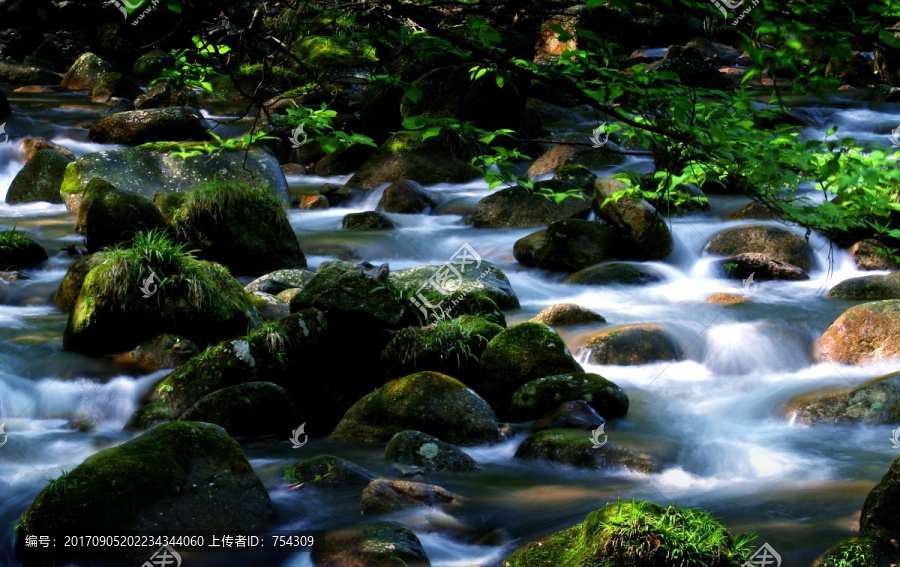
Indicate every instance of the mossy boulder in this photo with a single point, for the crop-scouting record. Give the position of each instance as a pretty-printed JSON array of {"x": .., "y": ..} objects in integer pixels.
[
  {"x": 384, "y": 496},
  {"x": 483, "y": 279},
  {"x": 868, "y": 288},
  {"x": 575, "y": 414},
  {"x": 23, "y": 74},
  {"x": 18, "y": 252},
  {"x": 176, "y": 478},
  {"x": 150, "y": 64},
  {"x": 576, "y": 448},
  {"x": 879, "y": 518},
  {"x": 199, "y": 300},
  {"x": 334, "y": 54},
  {"x": 108, "y": 216},
  {"x": 451, "y": 347},
  {"x": 635, "y": 532},
  {"x": 113, "y": 85},
  {"x": 864, "y": 333},
  {"x": 164, "y": 351},
  {"x": 643, "y": 231},
  {"x": 518, "y": 355},
  {"x": 563, "y": 314},
  {"x": 279, "y": 353},
  {"x": 136, "y": 127},
  {"x": 450, "y": 92},
  {"x": 567, "y": 245},
  {"x": 250, "y": 409},
  {"x": 428, "y": 402},
  {"x": 269, "y": 307},
  {"x": 871, "y": 254},
  {"x": 280, "y": 280},
  {"x": 518, "y": 207},
  {"x": 874, "y": 401},
  {"x": 543, "y": 395},
  {"x": 633, "y": 344},
  {"x": 243, "y": 227},
  {"x": 153, "y": 168},
  {"x": 405, "y": 155},
  {"x": 562, "y": 155},
  {"x": 381, "y": 544},
  {"x": 861, "y": 551},
  {"x": 405, "y": 197},
  {"x": 328, "y": 471},
  {"x": 761, "y": 267},
  {"x": 39, "y": 179},
  {"x": 161, "y": 95},
  {"x": 86, "y": 71},
  {"x": 772, "y": 241},
  {"x": 70, "y": 286},
  {"x": 367, "y": 220},
  {"x": 429, "y": 453}
]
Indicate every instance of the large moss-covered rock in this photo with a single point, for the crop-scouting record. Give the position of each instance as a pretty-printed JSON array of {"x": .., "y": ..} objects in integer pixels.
[
  {"x": 384, "y": 496},
  {"x": 576, "y": 447},
  {"x": 450, "y": 92},
  {"x": 429, "y": 453},
  {"x": 633, "y": 344},
  {"x": 328, "y": 471},
  {"x": 108, "y": 216},
  {"x": 381, "y": 544},
  {"x": 406, "y": 156},
  {"x": 149, "y": 125},
  {"x": 40, "y": 178},
  {"x": 176, "y": 478},
  {"x": 70, "y": 286},
  {"x": 772, "y": 241},
  {"x": 429, "y": 402},
  {"x": 333, "y": 54},
  {"x": 22, "y": 74},
  {"x": 240, "y": 226},
  {"x": 199, "y": 300},
  {"x": 643, "y": 231},
  {"x": 249, "y": 409},
  {"x": 567, "y": 245},
  {"x": 880, "y": 518},
  {"x": 518, "y": 207},
  {"x": 18, "y": 252},
  {"x": 449, "y": 346},
  {"x": 150, "y": 64},
  {"x": 634, "y": 532},
  {"x": 152, "y": 168},
  {"x": 567, "y": 314},
  {"x": 280, "y": 280},
  {"x": 518, "y": 355},
  {"x": 86, "y": 71},
  {"x": 543, "y": 395},
  {"x": 874, "y": 401},
  {"x": 113, "y": 85},
  {"x": 868, "y": 288},
  {"x": 484, "y": 278},
  {"x": 281, "y": 353},
  {"x": 612, "y": 273},
  {"x": 864, "y": 333}
]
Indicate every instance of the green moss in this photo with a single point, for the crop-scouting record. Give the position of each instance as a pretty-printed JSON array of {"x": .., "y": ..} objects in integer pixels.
[
  {"x": 321, "y": 53},
  {"x": 455, "y": 342},
  {"x": 405, "y": 141},
  {"x": 12, "y": 240},
  {"x": 328, "y": 471},
  {"x": 218, "y": 199},
  {"x": 858, "y": 552},
  {"x": 638, "y": 534}
]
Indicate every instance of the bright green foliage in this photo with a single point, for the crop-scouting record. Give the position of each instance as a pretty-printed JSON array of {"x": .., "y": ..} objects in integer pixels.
[
  {"x": 11, "y": 240},
  {"x": 318, "y": 127},
  {"x": 193, "y": 68}
]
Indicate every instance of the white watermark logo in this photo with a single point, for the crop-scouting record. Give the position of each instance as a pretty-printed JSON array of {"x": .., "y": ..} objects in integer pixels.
[
  {"x": 4, "y": 137},
  {"x": 127, "y": 8},
  {"x": 295, "y": 436},
  {"x": 749, "y": 286},
  {"x": 595, "y": 136},
  {"x": 765, "y": 556},
  {"x": 895, "y": 137},
  {"x": 148, "y": 282},
  {"x": 595, "y": 437},
  {"x": 164, "y": 557},
  {"x": 295, "y": 136},
  {"x": 729, "y": 5},
  {"x": 895, "y": 440},
  {"x": 448, "y": 280},
  {"x": 3, "y": 433}
]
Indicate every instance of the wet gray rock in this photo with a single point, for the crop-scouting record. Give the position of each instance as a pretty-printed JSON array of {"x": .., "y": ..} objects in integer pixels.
[
  {"x": 427, "y": 452},
  {"x": 40, "y": 179}
]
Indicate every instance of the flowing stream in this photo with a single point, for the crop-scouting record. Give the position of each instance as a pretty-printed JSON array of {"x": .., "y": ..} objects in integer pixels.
[{"x": 716, "y": 420}]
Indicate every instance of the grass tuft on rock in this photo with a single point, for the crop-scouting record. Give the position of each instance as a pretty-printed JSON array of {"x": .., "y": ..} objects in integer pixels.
[
  {"x": 216, "y": 198},
  {"x": 451, "y": 339},
  {"x": 12, "y": 240}
]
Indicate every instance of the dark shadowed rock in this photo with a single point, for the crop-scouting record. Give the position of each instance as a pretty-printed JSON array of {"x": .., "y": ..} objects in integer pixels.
[
  {"x": 249, "y": 409},
  {"x": 328, "y": 471},
  {"x": 381, "y": 544},
  {"x": 86, "y": 71},
  {"x": 761, "y": 267},
  {"x": 384, "y": 496},
  {"x": 429, "y": 453},
  {"x": 406, "y": 197},
  {"x": 614, "y": 273},
  {"x": 575, "y": 447},
  {"x": 576, "y": 414},
  {"x": 136, "y": 127},
  {"x": 538, "y": 397},
  {"x": 367, "y": 220},
  {"x": 644, "y": 232},
  {"x": 40, "y": 179},
  {"x": 108, "y": 216},
  {"x": 868, "y": 288},
  {"x": 567, "y": 245}
]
